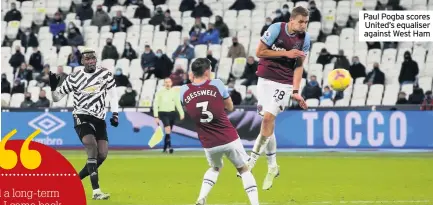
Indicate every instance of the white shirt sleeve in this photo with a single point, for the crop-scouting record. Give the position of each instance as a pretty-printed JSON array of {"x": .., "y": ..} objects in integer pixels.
[
  {"x": 57, "y": 96},
  {"x": 63, "y": 90},
  {"x": 111, "y": 87}
]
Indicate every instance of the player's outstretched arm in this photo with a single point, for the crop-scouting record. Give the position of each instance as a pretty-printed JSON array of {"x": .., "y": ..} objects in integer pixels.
[
  {"x": 57, "y": 96},
  {"x": 59, "y": 92}
]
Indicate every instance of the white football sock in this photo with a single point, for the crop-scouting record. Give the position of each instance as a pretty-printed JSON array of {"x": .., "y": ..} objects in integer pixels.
[
  {"x": 271, "y": 151},
  {"x": 250, "y": 187},
  {"x": 209, "y": 180},
  {"x": 260, "y": 144},
  {"x": 259, "y": 147}
]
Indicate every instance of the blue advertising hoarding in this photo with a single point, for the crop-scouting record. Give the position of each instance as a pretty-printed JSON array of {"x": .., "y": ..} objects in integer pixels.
[{"x": 294, "y": 129}]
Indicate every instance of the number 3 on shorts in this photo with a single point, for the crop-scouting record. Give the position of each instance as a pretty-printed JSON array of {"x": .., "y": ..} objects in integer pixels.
[{"x": 279, "y": 94}]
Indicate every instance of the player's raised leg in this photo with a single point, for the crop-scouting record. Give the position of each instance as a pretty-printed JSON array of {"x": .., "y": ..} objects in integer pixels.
[
  {"x": 262, "y": 141},
  {"x": 266, "y": 142},
  {"x": 271, "y": 151},
  {"x": 268, "y": 107},
  {"x": 273, "y": 169}
]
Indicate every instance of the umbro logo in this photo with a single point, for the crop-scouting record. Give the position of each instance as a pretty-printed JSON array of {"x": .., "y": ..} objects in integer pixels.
[{"x": 47, "y": 122}]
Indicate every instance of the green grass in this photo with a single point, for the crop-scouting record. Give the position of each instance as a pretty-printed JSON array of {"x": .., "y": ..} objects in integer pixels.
[{"x": 151, "y": 178}]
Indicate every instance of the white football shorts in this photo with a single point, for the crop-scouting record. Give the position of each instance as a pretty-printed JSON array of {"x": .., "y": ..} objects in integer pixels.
[
  {"x": 234, "y": 151},
  {"x": 272, "y": 97}
]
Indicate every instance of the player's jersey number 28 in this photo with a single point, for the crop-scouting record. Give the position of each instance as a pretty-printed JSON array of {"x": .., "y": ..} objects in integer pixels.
[{"x": 207, "y": 116}]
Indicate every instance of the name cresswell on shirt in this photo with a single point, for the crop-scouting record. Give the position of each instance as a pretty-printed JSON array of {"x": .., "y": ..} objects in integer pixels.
[{"x": 200, "y": 93}]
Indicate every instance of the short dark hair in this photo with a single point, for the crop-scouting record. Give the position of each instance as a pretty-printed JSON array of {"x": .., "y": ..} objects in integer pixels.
[
  {"x": 299, "y": 11},
  {"x": 200, "y": 66}
]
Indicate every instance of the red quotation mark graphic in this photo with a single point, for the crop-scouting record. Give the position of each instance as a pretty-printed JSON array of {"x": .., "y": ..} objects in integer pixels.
[{"x": 35, "y": 174}]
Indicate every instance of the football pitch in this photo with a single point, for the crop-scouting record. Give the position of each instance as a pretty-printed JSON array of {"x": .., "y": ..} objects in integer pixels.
[{"x": 153, "y": 178}]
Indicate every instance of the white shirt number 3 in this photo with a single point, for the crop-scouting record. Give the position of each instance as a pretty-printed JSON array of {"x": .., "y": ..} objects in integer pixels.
[{"x": 204, "y": 111}]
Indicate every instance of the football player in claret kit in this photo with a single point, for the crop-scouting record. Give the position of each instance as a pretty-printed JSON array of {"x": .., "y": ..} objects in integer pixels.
[
  {"x": 89, "y": 87},
  {"x": 205, "y": 101},
  {"x": 282, "y": 51}
]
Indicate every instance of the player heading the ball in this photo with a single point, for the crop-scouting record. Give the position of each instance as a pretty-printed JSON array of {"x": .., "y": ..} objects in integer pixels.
[
  {"x": 205, "y": 101},
  {"x": 282, "y": 51}
]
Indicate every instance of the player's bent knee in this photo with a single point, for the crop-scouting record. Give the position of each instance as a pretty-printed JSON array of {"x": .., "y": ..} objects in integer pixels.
[{"x": 215, "y": 169}]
